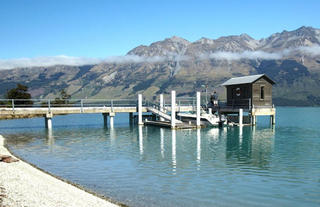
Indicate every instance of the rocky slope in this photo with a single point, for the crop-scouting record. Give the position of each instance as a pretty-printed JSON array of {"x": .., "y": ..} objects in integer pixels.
[{"x": 291, "y": 58}]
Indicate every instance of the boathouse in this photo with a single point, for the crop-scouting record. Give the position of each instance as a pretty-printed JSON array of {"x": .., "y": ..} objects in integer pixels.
[
  {"x": 252, "y": 94},
  {"x": 248, "y": 91}
]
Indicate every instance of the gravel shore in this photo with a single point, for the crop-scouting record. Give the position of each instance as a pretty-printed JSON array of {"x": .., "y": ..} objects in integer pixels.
[{"x": 22, "y": 185}]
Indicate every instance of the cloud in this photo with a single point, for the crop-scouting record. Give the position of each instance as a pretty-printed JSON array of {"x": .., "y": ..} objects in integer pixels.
[
  {"x": 220, "y": 55},
  {"x": 74, "y": 61},
  {"x": 312, "y": 51},
  {"x": 47, "y": 61},
  {"x": 230, "y": 56},
  {"x": 134, "y": 59}
]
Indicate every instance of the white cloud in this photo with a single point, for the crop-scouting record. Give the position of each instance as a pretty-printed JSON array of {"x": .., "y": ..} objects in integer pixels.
[
  {"x": 312, "y": 51},
  {"x": 230, "y": 56},
  {"x": 134, "y": 59},
  {"x": 77, "y": 61},
  {"x": 46, "y": 61}
]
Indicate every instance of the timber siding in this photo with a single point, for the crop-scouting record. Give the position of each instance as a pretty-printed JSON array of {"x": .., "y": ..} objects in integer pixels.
[
  {"x": 248, "y": 91},
  {"x": 241, "y": 99},
  {"x": 256, "y": 90}
]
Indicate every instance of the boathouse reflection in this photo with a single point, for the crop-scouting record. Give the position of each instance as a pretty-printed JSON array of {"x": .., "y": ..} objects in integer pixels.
[{"x": 250, "y": 146}]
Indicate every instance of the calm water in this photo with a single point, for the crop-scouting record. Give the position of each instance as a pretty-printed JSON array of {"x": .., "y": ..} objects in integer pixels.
[{"x": 151, "y": 166}]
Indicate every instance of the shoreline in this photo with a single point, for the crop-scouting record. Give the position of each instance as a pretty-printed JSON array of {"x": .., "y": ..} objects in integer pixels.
[{"x": 24, "y": 184}]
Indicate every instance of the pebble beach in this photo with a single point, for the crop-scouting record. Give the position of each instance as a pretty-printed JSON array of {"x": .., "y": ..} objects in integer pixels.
[{"x": 22, "y": 185}]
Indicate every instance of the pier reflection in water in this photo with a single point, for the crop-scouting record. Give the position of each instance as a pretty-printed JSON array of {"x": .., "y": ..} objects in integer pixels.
[{"x": 151, "y": 166}]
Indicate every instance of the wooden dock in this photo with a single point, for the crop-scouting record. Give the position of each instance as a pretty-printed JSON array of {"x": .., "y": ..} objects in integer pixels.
[
  {"x": 163, "y": 114},
  {"x": 167, "y": 124}
]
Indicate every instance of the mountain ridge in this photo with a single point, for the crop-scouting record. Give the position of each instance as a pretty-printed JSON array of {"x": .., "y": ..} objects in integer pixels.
[{"x": 291, "y": 58}]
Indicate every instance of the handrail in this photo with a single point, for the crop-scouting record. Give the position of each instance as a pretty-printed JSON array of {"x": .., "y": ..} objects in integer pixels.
[
  {"x": 66, "y": 102},
  {"x": 236, "y": 103},
  {"x": 50, "y": 103}
]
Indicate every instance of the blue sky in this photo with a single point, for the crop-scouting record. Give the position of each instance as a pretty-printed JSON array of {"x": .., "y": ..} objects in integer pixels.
[{"x": 97, "y": 28}]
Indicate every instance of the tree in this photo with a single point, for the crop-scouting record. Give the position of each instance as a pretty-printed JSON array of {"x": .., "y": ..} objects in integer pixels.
[
  {"x": 63, "y": 99},
  {"x": 20, "y": 92}
]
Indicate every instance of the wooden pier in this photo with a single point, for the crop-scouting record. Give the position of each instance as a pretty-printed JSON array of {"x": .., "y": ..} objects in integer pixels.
[
  {"x": 108, "y": 108},
  {"x": 249, "y": 94}
]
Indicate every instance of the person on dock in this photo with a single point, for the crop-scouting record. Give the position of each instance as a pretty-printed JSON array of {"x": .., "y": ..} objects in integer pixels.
[{"x": 214, "y": 99}]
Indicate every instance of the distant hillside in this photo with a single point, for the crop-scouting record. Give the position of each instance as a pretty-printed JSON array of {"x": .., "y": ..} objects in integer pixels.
[{"x": 291, "y": 58}]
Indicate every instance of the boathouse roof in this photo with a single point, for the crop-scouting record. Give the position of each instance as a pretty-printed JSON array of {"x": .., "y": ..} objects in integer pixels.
[{"x": 246, "y": 79}]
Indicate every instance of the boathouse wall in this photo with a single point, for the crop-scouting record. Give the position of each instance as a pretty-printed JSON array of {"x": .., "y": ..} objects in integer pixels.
[
  {"x": 239, "y": 95},
  {"x": 262, "y": 92},
  {"x": 245, "y": 95}
]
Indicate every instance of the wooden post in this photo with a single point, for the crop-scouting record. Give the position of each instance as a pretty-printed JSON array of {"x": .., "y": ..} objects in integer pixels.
[
  {"x": 140, "y": 109},
  {"x": 112, "y": 115},
  {"x": 273, "y": 119},
  {"x": 105, "y": 119},
  {"x": 130, "y": 118},
  {"x": 254, "y": 120},
  {"x": 253, "y": 116},
  {"x": 240, "y": 117},
  {"x": 161, "y": 106},
  {"x": 198, "y": 108},
  {"x": 48, "y": 121},
  {"x": 173, "y": 109}
]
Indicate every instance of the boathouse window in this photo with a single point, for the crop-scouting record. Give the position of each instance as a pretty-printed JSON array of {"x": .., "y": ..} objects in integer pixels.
[{"x": 261, "y": 92}]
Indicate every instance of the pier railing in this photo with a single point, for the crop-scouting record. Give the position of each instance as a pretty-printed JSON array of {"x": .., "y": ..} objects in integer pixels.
[
  {"x": 235, "y": 103},
  {"x": 35, "y": 103},
  {"x": 181, "y": 101},
  {"x": 48, "y": 103}
]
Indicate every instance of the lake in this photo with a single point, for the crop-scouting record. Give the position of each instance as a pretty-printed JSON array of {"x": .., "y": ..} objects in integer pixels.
[{"x": 151, "y": 166}]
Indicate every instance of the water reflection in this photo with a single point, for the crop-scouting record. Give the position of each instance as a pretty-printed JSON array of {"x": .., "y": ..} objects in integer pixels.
[
  {"x": 174, "y": 158},
  {"x": 214, "y": 134},
  {"x": 50, "y": 138},
  {"x": 162, "y": 142},
  {"x": 198, "y": 148},
  {"x": 250, "y": 146},
  {"x": 140, "y": 140},
  {"x": 228, "y": 166}
]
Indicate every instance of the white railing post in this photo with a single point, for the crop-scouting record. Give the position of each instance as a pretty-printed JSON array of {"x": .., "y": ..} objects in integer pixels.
[
  {"x": 198, "y": 108},
  {"x": 112, "y": 105},
  {"x": 161, "y": 106},
  {"x": 173, "y": 109},
  {"x": 49, "y": 105},
  {"x": 12, "y": 103},
  {"x": 81, "y": 104},
  {"x": 140, "y": 109}
]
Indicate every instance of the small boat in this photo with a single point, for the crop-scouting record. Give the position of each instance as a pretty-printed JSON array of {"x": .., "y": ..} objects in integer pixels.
[{"x": 205, "y": 118}]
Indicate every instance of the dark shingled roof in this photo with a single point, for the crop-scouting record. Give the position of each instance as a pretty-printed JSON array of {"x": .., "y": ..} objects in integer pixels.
[{"x": 246, "y": 79}]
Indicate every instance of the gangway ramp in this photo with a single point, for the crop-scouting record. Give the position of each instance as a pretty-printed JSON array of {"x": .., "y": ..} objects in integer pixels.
[{"x": 162, "y": 114}]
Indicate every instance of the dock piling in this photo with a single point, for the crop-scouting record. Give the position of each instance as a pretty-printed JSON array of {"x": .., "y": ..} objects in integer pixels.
[
  {"x": 161, "y": 106},
  {"x": 240, "y": 117},
  {"x": 112, "y": 115},
  {"x": 48, "y": 121},
  {"x": 140, "y": 109},
  {"x": 105, "y": 119},
  {"x": 173, "y": 109},
  {"x": 198, "y": 108},
  {"x": 130, "y": 118}
]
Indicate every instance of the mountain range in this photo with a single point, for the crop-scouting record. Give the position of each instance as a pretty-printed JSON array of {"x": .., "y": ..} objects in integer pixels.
[{"x": 290, "y": 58}]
